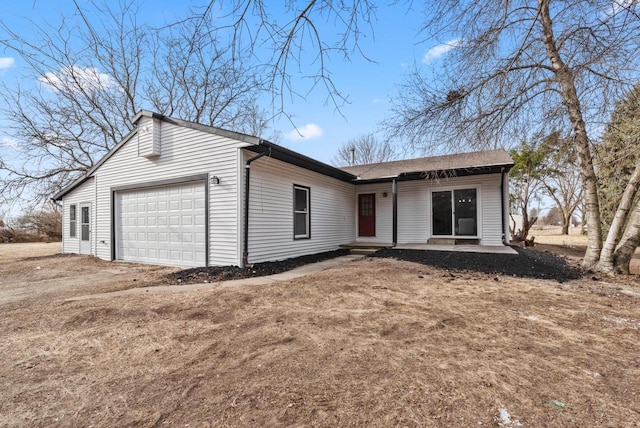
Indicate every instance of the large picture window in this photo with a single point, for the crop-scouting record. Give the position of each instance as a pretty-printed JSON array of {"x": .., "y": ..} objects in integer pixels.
[
  {"x": 301, "y": 212},
  {"x": 72, "y": 221}
]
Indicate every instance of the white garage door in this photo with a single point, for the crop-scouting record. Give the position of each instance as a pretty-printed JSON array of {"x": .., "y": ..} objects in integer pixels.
[{"x": 162, "y": 225}]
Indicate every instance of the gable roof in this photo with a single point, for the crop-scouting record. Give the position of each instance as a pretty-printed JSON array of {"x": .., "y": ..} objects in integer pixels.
[
  {"x": 256, "y": 145},
  {"x": 484, "y": 162},
  {"x": 460, "y": 164}
]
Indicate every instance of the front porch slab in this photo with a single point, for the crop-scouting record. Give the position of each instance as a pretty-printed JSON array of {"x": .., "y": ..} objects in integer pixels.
[
  {"x": 464, "y": 248},
  {"x": 460, "y": 248}
]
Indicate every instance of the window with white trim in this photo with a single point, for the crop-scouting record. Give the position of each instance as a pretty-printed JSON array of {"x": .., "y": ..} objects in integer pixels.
[
  {"x": 301, "y": 212},
  {"x": 72, "y": 221}
]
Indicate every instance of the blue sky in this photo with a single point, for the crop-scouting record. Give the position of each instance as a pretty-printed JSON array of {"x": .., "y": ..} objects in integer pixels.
[{"x": 393, "y": 48}]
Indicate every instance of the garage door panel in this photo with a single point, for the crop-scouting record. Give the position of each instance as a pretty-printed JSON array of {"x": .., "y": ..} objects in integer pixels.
[{"x": 164, "y": 225}]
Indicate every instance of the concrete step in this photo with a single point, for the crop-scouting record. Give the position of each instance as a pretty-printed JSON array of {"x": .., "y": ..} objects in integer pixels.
[
  {"x": 363, "y": 251},
  {"x": 452, "y": 241},
  {"x": 441, "y": 241}
]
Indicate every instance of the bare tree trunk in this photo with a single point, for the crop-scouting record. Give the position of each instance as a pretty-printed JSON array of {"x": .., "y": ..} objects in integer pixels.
[
  {"x": 565, "y": 78},
  {"x": 566, "y": 222},
  {"x": 628, "y": 244},
  {"x": 608, "y": 255}
]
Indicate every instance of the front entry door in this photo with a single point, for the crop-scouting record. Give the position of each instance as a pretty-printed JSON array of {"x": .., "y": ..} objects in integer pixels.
[
  {"x": 85, "y": 229},
  {"x": 367, "y": 214}
]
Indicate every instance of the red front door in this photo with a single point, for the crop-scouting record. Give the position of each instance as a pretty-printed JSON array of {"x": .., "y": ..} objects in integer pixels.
[{"x": 367, "y": 214}]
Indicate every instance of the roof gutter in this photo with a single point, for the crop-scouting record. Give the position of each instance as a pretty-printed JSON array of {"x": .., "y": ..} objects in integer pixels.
[{"x": 247, "y": 187}]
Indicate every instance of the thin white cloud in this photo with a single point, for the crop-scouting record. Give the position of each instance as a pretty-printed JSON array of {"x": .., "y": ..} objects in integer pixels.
[
  {"x": 6, "y": 62},
  {"x": 75, "y": 78},
  {"x": 437, "y": 51},
  {"x": 620, "y": 5},
  {"x": 306, "y": 132},
  {"x": 10, "y": 143}
]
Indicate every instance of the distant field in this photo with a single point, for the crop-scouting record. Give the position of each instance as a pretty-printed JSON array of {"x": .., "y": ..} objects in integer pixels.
[{"x": 552, "y": 236}]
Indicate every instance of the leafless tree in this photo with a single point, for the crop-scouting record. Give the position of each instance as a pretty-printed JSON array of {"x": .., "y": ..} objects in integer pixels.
[
  {"x": 98, "y": 67},
  {"x": 565, "y": 188},
  {"x": 520, "y": 66},
  {"x": 553, "y": 217},
  {"x": 365, "y": 149},
  {"x": 202, "y": 79},
  {"x": 287, "y": 40},
  {"x": 563, "y": 182}
]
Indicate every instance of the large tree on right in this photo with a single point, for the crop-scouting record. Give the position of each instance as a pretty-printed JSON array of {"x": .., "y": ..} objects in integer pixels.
[
  {"x": 619, "y": 172},
  {"x": 517, "y": 67}
]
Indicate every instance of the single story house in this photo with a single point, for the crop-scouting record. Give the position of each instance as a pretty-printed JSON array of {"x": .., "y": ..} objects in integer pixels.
[{"x": 174, "y": 192}]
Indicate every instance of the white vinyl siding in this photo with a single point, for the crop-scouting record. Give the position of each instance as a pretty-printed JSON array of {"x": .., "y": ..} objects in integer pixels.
[
  {"x": 414, "y": 212},
  {"x": 180, "y": 153},
  {"x": 414, "y": 208},
  {"x": 491, "y": 211},
  {"x": 183, "y": 152},
  {"x": 488, "y": 208},
  {"x": 271, "y": 225},
  {"x": 383, "y": 210},
  {"x": 301, "y": 213},
  {"x": 85, "y": 193}
]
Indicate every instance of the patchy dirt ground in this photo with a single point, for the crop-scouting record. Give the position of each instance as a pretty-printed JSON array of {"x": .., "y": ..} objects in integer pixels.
[
  {"x": 38, "y": 270},
  {"x": 367, "y": 344}
]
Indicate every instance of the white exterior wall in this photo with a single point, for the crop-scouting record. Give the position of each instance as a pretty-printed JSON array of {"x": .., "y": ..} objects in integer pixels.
[
  {"x": 85, "y": 193},
  {"x": 414, "y": 208},
  {"x": 492, "y": 213},
  {"x": 184, "y": 152},
  {"x": 414, "y": 211},
  {"x": 384, "y": 212},
  {"x": 332, "y": 212}
]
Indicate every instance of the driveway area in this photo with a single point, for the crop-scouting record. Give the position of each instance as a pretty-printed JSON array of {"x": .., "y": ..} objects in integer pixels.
[{"x": 36, "y": 270}]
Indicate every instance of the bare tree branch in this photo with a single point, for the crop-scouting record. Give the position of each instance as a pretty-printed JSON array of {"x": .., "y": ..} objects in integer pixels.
[{"x": 96, "y": 69}]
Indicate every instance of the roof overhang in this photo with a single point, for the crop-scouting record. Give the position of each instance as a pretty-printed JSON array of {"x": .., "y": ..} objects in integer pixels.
[
  {"x": 289, "y": 156},
  {"x": 439, "y": 174}
]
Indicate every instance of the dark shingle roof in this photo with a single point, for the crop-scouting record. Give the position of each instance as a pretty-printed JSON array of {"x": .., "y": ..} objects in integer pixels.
[{"x": 457, "y": 162}]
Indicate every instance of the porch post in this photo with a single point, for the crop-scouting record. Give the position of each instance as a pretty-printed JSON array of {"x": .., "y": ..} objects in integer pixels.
[{"x": 394, "y": 192}]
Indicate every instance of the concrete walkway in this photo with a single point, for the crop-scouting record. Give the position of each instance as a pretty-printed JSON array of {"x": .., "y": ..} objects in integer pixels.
[{"x": 259, "y": 280}]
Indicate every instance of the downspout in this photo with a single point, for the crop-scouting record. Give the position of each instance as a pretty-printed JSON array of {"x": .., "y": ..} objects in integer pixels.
[
  {"x": 394, "y": 193},
  {"x": 245, "y": 248},
  {"x": 502, "y": 175}
]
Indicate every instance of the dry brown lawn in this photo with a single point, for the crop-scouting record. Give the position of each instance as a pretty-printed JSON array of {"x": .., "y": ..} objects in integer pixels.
[
  {"x": 367, "y": 344},
  {"x": 552, "y": 236}
]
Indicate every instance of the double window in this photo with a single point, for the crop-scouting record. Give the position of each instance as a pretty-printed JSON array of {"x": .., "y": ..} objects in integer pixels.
[
  {"x": 301, "y": 212},
  {"x": 72, "y": 221}
]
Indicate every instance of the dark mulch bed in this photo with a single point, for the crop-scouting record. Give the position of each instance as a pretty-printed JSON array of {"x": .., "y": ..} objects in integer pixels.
[
  {"x": 225, "y": 273},
  {"x": 528, "y": 263}
]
